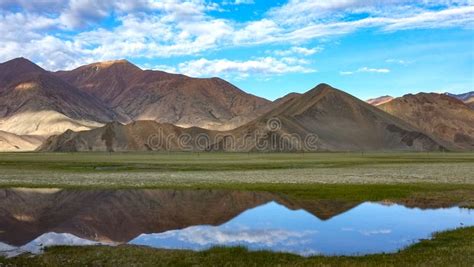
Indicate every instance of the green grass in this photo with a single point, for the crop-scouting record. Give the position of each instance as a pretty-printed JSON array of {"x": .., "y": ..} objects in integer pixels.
[
  {"x": 452, "y": 248},
  {"x": 378, "y": 176},
  {"x": 184, "y": 169},
  {"x": 429, "y": 195},
  {"x": 171, "y": 162}
]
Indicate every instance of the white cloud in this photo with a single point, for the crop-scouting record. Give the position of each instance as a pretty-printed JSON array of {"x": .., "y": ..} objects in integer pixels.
[
  {"x": 205, "y": 236},
  {"x": 256, "y": 32},
  {"x": 237, "y": 2},
  {"x": 376, "y": 232},
  {"x": 307, "y": 11},
  {"x": 398, "y": 61},
  {"x": 243, "y": 2},
  {"x": 80, "y": 12},
  {"x": 346, "y": 72},
  {"x": 49, "y": 52},
  {"x": 165, "y": 68},
  {"x": 29, "y": 25},
  {"x": 155, "y": 29},
  {"x": 299, "y": 51},
  {"x": 306, "y": 20},
  {"x": 263, "y": 66},
  {"x": 366, "y": 69},
  {"x": 463, "y": 16}
]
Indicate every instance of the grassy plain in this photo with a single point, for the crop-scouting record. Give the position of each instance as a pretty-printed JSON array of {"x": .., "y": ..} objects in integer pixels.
[
  {"x": 191, "y": 169},
  {"x": 424, "y": 179}
]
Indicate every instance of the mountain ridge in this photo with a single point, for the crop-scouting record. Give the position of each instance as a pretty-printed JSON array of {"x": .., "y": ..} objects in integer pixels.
[
  {"x": 441, "y": 116},
  {"x": 27, "y": 91},
  {"x": 210, "y": 103},
  {"x": 339, "y": 122},
  {"x": 82, "y": 108},
  {"x": 344, "y": 123}
]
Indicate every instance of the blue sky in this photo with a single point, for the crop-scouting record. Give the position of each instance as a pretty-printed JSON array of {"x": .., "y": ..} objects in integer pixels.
[{"x": 267, "y": 48}]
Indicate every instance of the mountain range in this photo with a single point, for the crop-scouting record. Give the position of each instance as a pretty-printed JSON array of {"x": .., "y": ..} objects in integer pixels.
[
  {"x": 467, "y": 98},
  {"x": 334, "y": 120},
  {"x": 446, "y": 119},
  {"x": 163, "y": 97},
  {"x": 116, "y": 106}
]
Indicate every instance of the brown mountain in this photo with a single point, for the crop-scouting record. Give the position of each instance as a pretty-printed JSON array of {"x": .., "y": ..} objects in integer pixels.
[
  {"x": 379, "y": 100},
  {"x": 323, "y": 119},
  {"x": 136, "y": 136},
  {"x": 444, "y": 118},
  {"x": 35, "y": 102},
  {"x": 121, "y": 215},
  {"x": 166, "y": 98},
  {"x": 284, "y": 98},
  {"x": 338, "y": 121}
]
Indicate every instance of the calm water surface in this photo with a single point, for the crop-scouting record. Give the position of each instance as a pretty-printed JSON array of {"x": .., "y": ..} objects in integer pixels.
[{"x": 33, "y": 219}]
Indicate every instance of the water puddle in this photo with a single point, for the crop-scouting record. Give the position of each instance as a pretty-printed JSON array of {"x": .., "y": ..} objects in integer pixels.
[{"x": 185, "y": 219}]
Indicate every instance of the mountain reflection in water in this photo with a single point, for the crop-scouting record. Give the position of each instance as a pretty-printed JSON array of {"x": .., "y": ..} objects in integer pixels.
[{"x": 200, "y": 219}]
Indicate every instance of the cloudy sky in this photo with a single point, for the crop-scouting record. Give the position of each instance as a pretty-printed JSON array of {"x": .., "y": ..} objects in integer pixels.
[{"x": 269, "y": 48}]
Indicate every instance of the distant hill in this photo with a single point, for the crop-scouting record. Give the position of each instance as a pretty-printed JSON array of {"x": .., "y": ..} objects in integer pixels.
[
  {"x": 463, "y": 97},
  {"x": 334, "y": 120},
  {"x": 470, "y": 102},
  {"x": 14, "y": 143},
  {"x": 444, "y": 118},
  {"x": 380, "y": 100},
  {"x": 136, "y": 136},
  {"x": 467, "y": 98},
  {"x": 166, "y": 98}
]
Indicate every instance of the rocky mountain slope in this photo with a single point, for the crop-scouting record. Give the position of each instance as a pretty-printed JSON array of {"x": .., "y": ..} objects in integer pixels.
[
  {"x": 166, "y": 98},
  {"x": 35, "y": 102},
  {"x": 283, "y": 99},
  {"x": 136, "y": 136},
  {"x": 323, "y": 119},
  {"x": 334, "y": 121},
  {"x": 444, "y": 118}
]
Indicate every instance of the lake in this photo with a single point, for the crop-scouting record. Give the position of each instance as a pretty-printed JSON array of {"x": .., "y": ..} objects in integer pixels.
[{"x": 31, "y": 219}]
